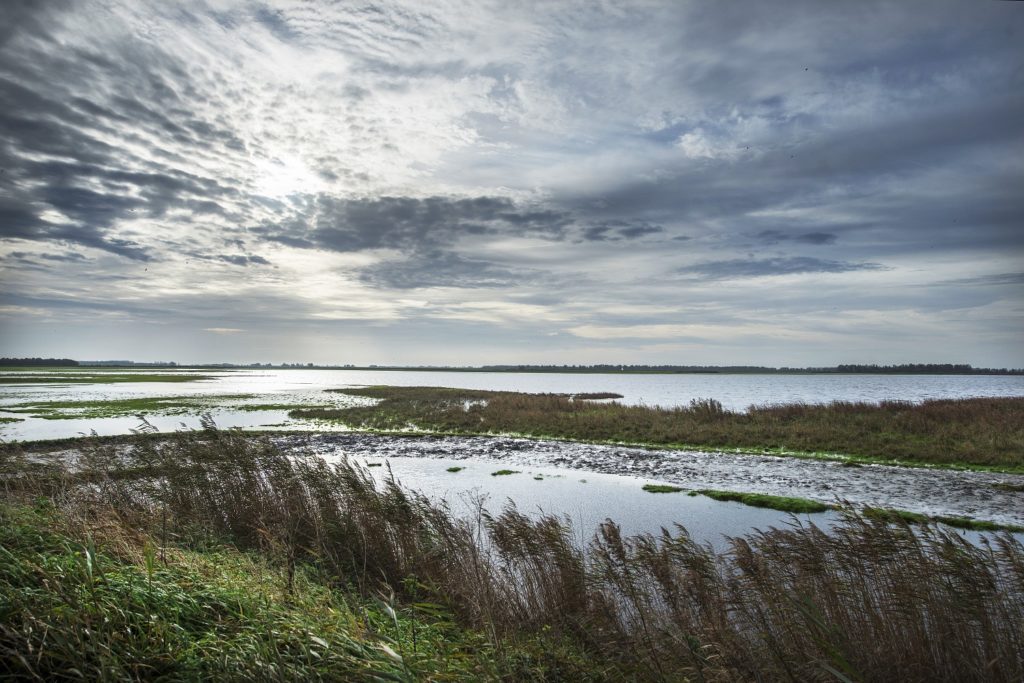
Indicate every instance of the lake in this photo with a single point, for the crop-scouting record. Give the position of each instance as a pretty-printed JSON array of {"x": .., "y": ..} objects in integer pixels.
[
  {"x": 606, "y": 493},
  {"x": 300, "y": 386}
]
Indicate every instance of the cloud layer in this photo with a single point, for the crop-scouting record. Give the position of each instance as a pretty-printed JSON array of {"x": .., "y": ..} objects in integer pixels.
[{"x": 464, "y": 182}]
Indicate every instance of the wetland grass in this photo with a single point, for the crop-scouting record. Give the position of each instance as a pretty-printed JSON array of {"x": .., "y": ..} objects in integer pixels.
[
  {"x": 89, "y": 409},
  {"x": 980, "y": 433},
  {"x": 760, "y": 500},
  {"x": 661, "y": 488},
  {"x": 210, "y": 554},
  {"x": 455, "y": 469},
  {"x": 99, "y": 378},
  {"x": 968, "y": 523}
]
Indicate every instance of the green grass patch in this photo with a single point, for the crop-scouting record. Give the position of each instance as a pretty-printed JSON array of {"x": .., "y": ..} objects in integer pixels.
[
  {"x": 504, "y": 473},
  {"x": 100, "y": 378},
  {"x": 760, "y": 500},
  {"x": 81, "y": 608},
  {"x": 975, "y": 524},
  {"x": 164, "y": 405},
  {"x": 1008, "y": 486},
  {"x": 10, "y": 420},
  {"x": 255, "y": 407},
  {"x": 661, "y": 488},
  {"x": 455, "y": 469},
  {"x": 890, "y": 515}
]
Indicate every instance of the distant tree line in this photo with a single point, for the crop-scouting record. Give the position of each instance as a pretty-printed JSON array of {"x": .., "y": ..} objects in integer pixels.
[
  {"x": 903, "y": 369},
  {"x": 50, "y": 362},
  {"x": 926, "y": 369}
]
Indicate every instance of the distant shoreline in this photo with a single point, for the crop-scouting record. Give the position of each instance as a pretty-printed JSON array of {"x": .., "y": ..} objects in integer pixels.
[{"x": 603, "y": 369}]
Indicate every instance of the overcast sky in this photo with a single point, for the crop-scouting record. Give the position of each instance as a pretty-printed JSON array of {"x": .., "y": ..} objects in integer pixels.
[{"x": 775, "y": 183}]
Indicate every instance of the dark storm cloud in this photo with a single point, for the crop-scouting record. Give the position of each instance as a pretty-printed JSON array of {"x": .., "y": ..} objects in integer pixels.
[
  {"x": 443, "y": 269},
  {"x": 28, "y": 16},
  {"x": 775, "y": 236},
  {"x": 748, "y": 268},
  {"x": 71, "y": 116},
  {"x": 617, "y": 230},
  {"x": 70, "y": 257},
  {"x": 411, "y": 224},
  {"x": 913, "y": 136},
  {"x": 243, "y": 260}
]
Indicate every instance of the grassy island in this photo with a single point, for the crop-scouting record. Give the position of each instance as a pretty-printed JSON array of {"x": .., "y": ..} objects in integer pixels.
[{"x": 979, "y": 432}]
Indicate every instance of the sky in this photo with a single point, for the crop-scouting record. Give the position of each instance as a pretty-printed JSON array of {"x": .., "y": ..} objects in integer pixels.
[{"x": 552, "y": 182}]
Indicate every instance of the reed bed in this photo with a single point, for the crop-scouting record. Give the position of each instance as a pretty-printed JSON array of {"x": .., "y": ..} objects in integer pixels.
[
  {"x": 505, "y": 596},
  {"x": 979, "y": 431}
]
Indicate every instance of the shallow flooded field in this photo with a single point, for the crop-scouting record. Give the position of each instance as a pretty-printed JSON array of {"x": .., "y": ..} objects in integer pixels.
[
  {"x": 550, "y": 472},
  {"x": 980, "y": 495},
  {"x": 586, "y": 498}
]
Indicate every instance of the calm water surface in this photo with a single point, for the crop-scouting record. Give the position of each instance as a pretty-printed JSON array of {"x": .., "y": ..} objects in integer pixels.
[
  {"x": 735, "y": 392},
  {"x": 586, "y": 499}
]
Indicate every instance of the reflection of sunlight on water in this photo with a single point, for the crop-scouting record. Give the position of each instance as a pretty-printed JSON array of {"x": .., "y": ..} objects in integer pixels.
[{"x": 34, "y": 429}]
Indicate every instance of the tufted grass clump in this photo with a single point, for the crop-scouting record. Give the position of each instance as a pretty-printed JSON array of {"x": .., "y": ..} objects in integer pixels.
[
  {"x": 761, "y": 500},
  {"x": 661, "y": 488}
]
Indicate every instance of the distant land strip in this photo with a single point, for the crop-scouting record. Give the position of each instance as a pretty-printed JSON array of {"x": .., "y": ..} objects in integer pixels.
[{"x": 608, "y": 368}]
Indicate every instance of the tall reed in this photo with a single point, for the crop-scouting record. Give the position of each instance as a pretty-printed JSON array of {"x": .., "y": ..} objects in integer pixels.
[{"x": 870, "y": 599}]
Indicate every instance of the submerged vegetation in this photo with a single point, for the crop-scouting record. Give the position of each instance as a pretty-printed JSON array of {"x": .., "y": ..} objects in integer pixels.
[
  {"x": 212, "y": 554},
  {"x": 807, "y": 506},
  {"x": 165, "y": 405},
  {"x": 84, "y": 377},
  {"x": 948, "y": 520},
  {"x": 986, "y": 432},
  {"x": 661, "y": 488}
]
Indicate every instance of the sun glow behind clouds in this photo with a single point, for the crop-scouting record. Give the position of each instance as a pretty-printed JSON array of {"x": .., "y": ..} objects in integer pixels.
[{"x": 284, "y": 176}]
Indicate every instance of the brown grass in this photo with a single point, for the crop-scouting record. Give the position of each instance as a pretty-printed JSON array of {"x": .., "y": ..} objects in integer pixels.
[
  {"x": 981, "y": 431},
  {"x": 872, "y": 599}
]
